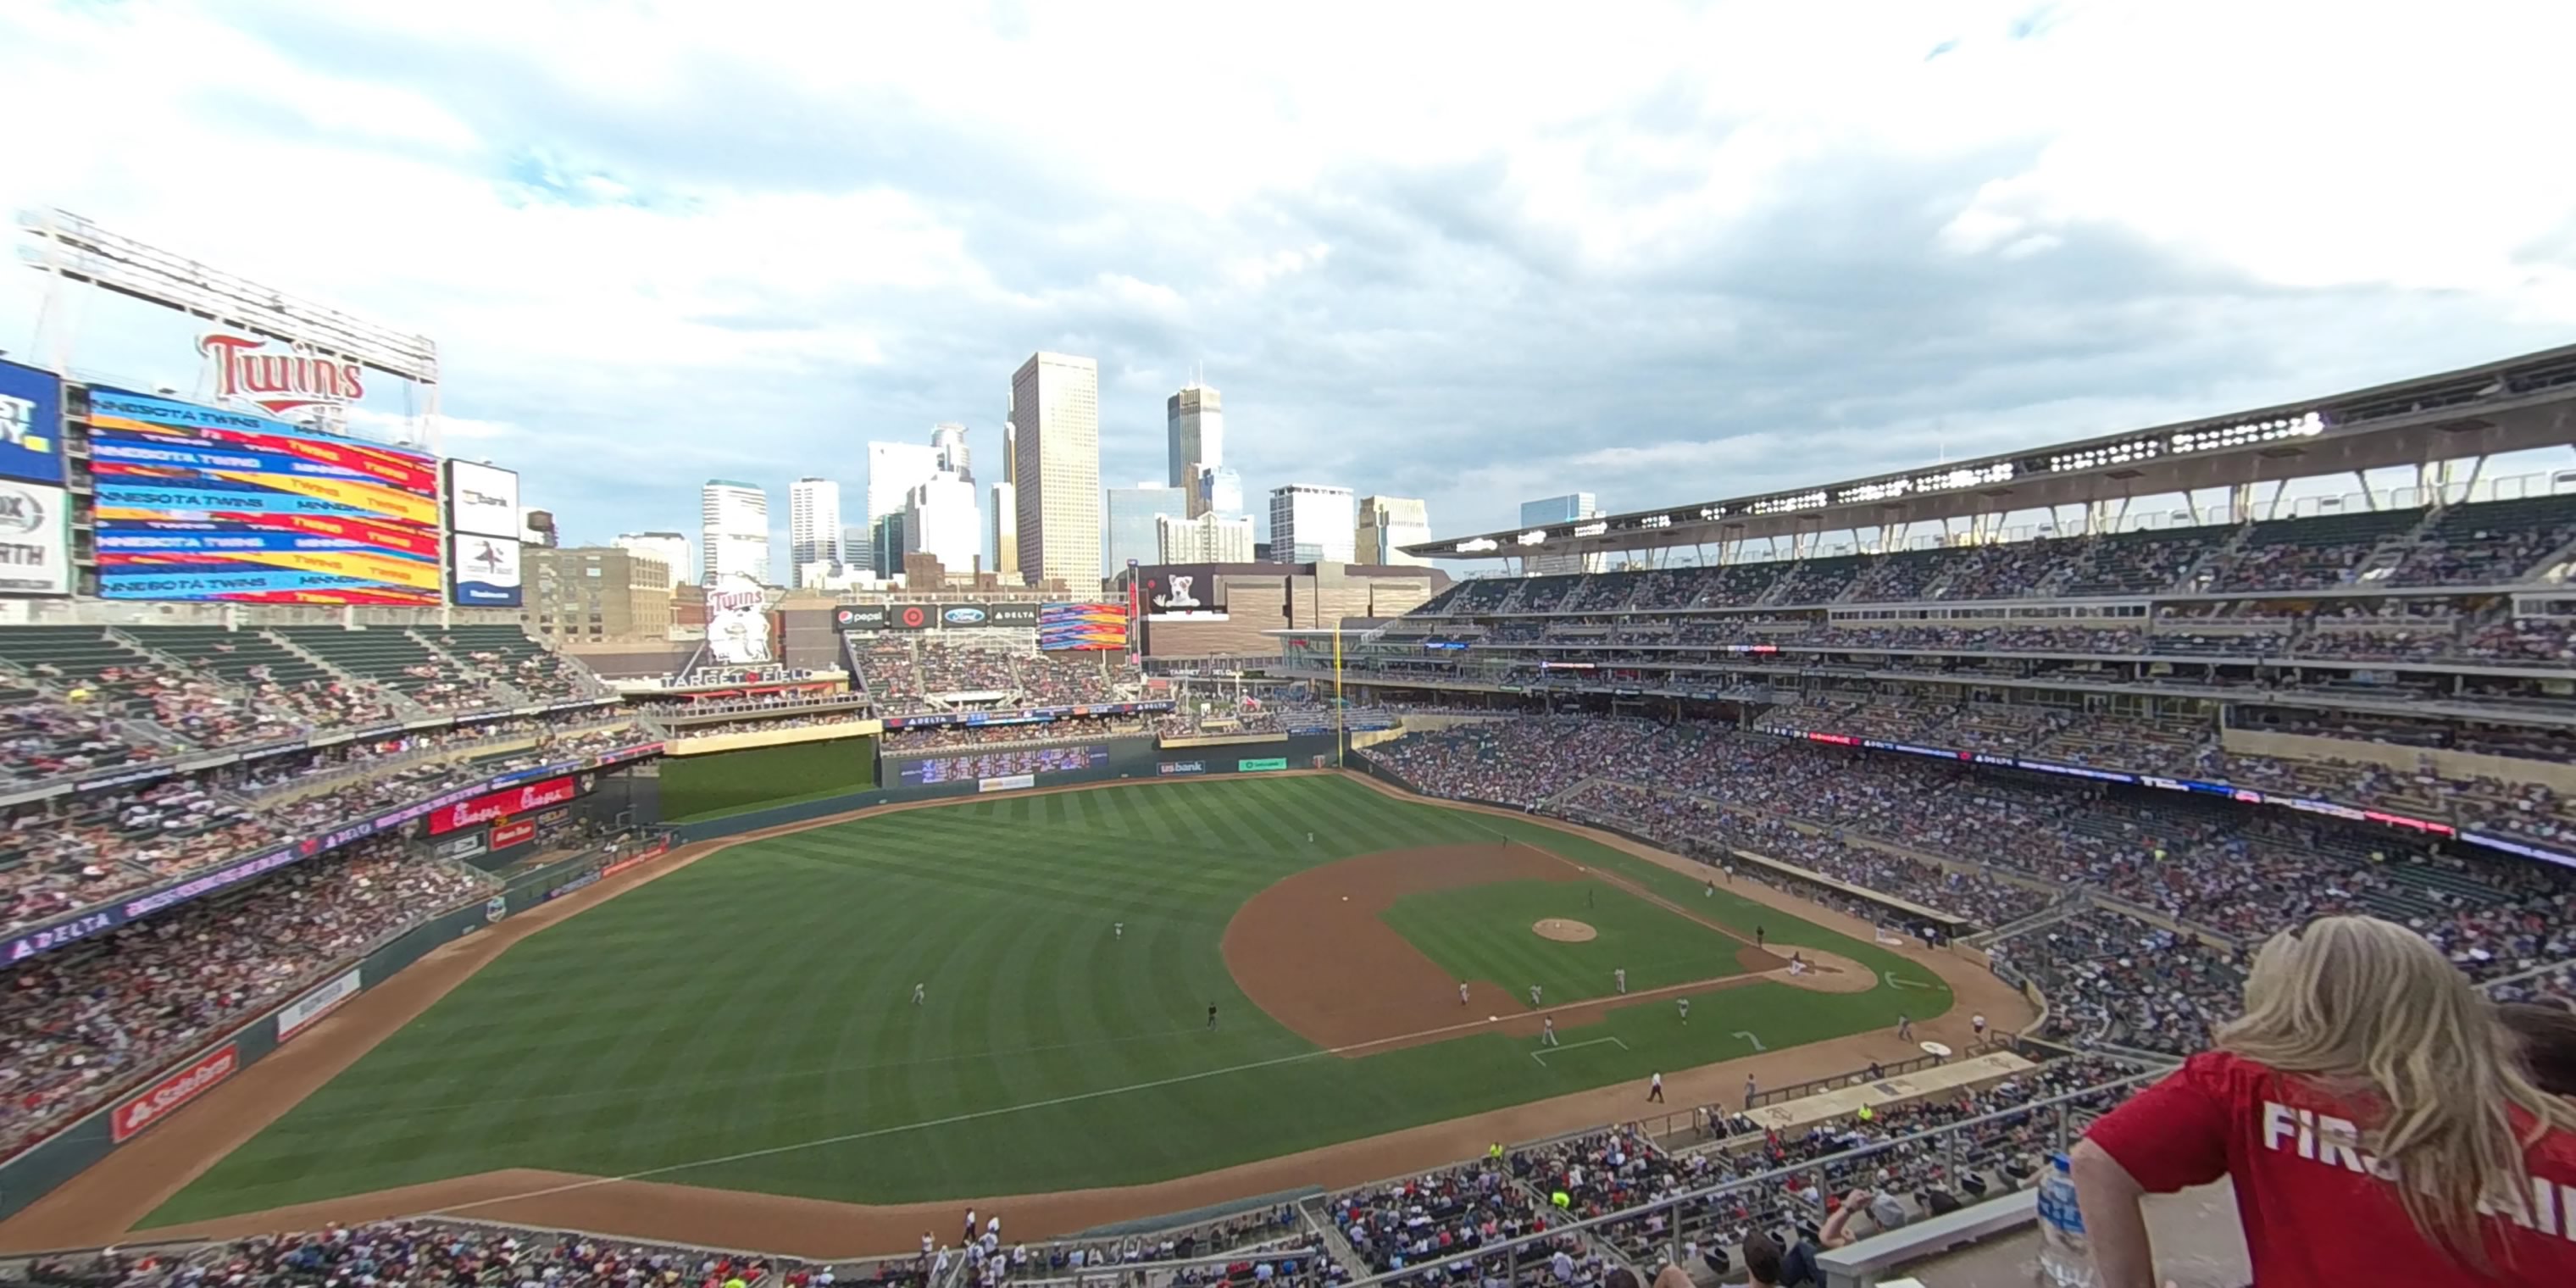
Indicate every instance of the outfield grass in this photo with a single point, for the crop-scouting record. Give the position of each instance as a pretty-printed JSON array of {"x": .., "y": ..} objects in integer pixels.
[
  {"x": 758, "y": 1000},
  {"x": 1484, "y": 932},
  {"x": 696, "y": 788}
]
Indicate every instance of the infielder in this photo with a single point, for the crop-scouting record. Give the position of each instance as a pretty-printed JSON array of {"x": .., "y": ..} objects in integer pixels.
[
  {"x": 1533, "y": 997},
  {"x": 1621, "y": 975},
  {"x": 1685, "y": 1009},
  {"x": 1462, "y": 992},
  {"x": 1547, "y": 1031}
]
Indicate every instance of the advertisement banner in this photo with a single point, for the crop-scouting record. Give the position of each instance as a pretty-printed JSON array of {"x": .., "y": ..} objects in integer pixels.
[
  {"x": 1181, "y": 767},
  {"x": 505, "y": 835},
  {"x": 155, "y": 1102},
  {"x": 1020, "y": 614},
  {"x": 1181, "y": 590},
  {"x": 931, "y": 771},
  {"x": 463, "y": 847},
  {"x": 482, "y": 501},
  {"x": 965, "y": 616},
  {"x": 1099, "y": 626},
  {"x": 201, "y": 503},
  {"x": 35, "y": 539},
  {"x": 738, "y": 625},
  {"x": 486, "y": 570},
  {"x": 1259, "y": 766},
  {"x": 31, "y": 425},
  {"x": 1010, "y": 783},
  {"x": 300, "y": 1014},
  {"x": 495, "y": 805},
  {"x": 910, "y": 617},
  {"x": 859, "y": 617}
]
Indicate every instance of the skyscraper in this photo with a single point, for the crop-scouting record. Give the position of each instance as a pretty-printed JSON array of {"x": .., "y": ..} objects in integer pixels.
[
  {"x": 1573, "y": 507},
  {"x": 1005, "y": 534},
  {"x": 1209, "y": 538},
  {"x": 1309, "y": 522},
  {"x": 734, "y": 530},
  {"x": 948, "y": 442},
  {"x": 939, "y": 520},
  {"x": 1194, "y": 428},
  {"x": 671, "y": 548},
  {"x": 813, "y": 525},
  {"x": 894, "y": 469},
  {"x": 1387, "y": 525},
  {"x": 1217, "y": 490},
  {"x": 1130, "y": 514},
  {"x": 1055, "y": 473}
]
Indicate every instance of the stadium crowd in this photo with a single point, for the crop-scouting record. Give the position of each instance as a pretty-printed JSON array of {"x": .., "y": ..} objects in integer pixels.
[
  {"x": 84, "y": 1022},
  {"x": 62, "y": 854}
]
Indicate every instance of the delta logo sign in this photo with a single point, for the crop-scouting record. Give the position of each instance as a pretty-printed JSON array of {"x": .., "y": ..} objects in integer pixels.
[{"x": 279, "y": 379}]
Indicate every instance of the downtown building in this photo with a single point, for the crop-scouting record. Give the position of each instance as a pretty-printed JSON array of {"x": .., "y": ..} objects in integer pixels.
[
  {"x": 671, "y": 548},
  {"x": 1055, "y": 470},
  {"x": 1573, "y": 507},
  {"x": 733, "y": 519},
  {"x": 1387, "y": 525},
  {"x": 1311, "y": 523},
  {"x": 1130, "y": 531},
  {"x": 813, "y": 526}
]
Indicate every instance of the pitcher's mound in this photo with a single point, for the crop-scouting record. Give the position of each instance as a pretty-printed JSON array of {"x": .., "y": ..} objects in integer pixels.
[{"x": 1564, "y": 931}]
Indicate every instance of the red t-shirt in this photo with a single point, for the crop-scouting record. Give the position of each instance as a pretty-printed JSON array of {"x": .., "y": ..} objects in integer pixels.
[{"x": 2318, "y": 1213}]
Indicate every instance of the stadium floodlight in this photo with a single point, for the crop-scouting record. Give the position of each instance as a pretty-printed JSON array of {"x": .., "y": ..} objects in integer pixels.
[
  {"x": 1478, "y": 545},
  {"x": 2218, "y": 438},
  {"x": 1590, "y": 529},
  {"x": 1534, "y": 537},
  {"x": 71, "y": 248}
]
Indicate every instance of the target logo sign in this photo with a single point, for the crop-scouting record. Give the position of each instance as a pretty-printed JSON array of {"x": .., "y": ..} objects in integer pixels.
[{"x": 912, "y": 617}]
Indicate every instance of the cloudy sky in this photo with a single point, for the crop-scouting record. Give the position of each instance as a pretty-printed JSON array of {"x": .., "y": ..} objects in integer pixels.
[{"x": 1474, "y": 253}]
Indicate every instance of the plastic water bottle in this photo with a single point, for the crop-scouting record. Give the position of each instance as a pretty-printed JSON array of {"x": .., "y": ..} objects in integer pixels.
[{"x": 2065, "y": 1260}]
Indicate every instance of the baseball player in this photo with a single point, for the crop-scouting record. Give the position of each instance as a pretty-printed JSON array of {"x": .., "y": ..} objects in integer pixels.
[
  {"x": 920, "y": 992},
  {"x": 1310, "y": 838},
  {"x": 1547, "y": 1031},
  {"x": 970, "y": 1228},
  {"x": 1118, "y": 930},
  {"x": 1211, "y": 1017},
  {"x": 1621, "y": 975},
  {"x": 1904, "y": 1028},
  {"x": 1978, "y": 1022},
  {"x": 1710, "y": 892},
  {"x": 1533, "y": 997},
  {"x": 1655, "y": 1088},
  {"x": 1462, "y": 992},
  {"x": 1751, "y": 1089},
  {"x": 1685, "y": 1010}
]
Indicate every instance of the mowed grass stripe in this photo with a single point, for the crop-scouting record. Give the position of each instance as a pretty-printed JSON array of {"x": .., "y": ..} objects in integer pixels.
[{"x": 760, "y": 1000}]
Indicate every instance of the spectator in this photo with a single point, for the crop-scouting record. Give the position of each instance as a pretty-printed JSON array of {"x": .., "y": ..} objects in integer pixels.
[{"x": 2362, "y": 1056}]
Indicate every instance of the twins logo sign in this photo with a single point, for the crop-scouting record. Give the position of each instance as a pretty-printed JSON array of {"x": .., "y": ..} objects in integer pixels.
[{"x": 738, "y": 620}]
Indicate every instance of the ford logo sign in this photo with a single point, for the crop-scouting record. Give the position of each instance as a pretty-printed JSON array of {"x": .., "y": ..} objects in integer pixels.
[{"x": 962, "y": 616}]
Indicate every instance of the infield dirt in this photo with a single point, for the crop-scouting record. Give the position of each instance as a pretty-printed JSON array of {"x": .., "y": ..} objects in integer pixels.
[{"x": 103, "y": 1204}]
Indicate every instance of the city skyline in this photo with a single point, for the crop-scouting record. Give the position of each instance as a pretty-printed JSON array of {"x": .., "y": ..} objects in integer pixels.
[{"x": 1622, "y": 276}]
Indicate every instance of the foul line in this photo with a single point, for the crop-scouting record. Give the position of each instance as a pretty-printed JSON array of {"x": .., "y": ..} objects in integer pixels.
[
  {"x": 872, "y": 1133},
  {"x": 1540, "y": 1055}
]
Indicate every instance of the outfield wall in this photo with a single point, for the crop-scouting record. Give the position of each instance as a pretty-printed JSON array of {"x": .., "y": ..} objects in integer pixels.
[
  {"x": 73, "y": 1149},
  {"x": 1129, "y": 759}
]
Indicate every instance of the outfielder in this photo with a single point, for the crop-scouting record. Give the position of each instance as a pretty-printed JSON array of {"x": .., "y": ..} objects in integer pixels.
[
  {"x": 1685, "y": 1009},
  {"x": 919, "y": 993}
]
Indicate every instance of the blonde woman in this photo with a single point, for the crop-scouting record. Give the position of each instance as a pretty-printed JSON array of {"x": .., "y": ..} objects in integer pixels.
[{"x": 2362, "y": 1056}]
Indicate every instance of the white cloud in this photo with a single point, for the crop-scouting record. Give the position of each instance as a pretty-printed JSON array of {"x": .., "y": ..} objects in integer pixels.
[{"x": 1481, "y": 249}]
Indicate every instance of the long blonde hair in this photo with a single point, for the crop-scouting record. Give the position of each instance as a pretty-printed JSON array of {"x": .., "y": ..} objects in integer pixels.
[{"x": 2371, "y": 1013}]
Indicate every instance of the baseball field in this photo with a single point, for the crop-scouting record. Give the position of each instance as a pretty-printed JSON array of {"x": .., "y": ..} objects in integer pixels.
[{"x": 747, "y": 1022}]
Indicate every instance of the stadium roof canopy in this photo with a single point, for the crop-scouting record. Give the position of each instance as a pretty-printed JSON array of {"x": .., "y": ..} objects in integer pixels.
[{"x": 2507, "y": 406}]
